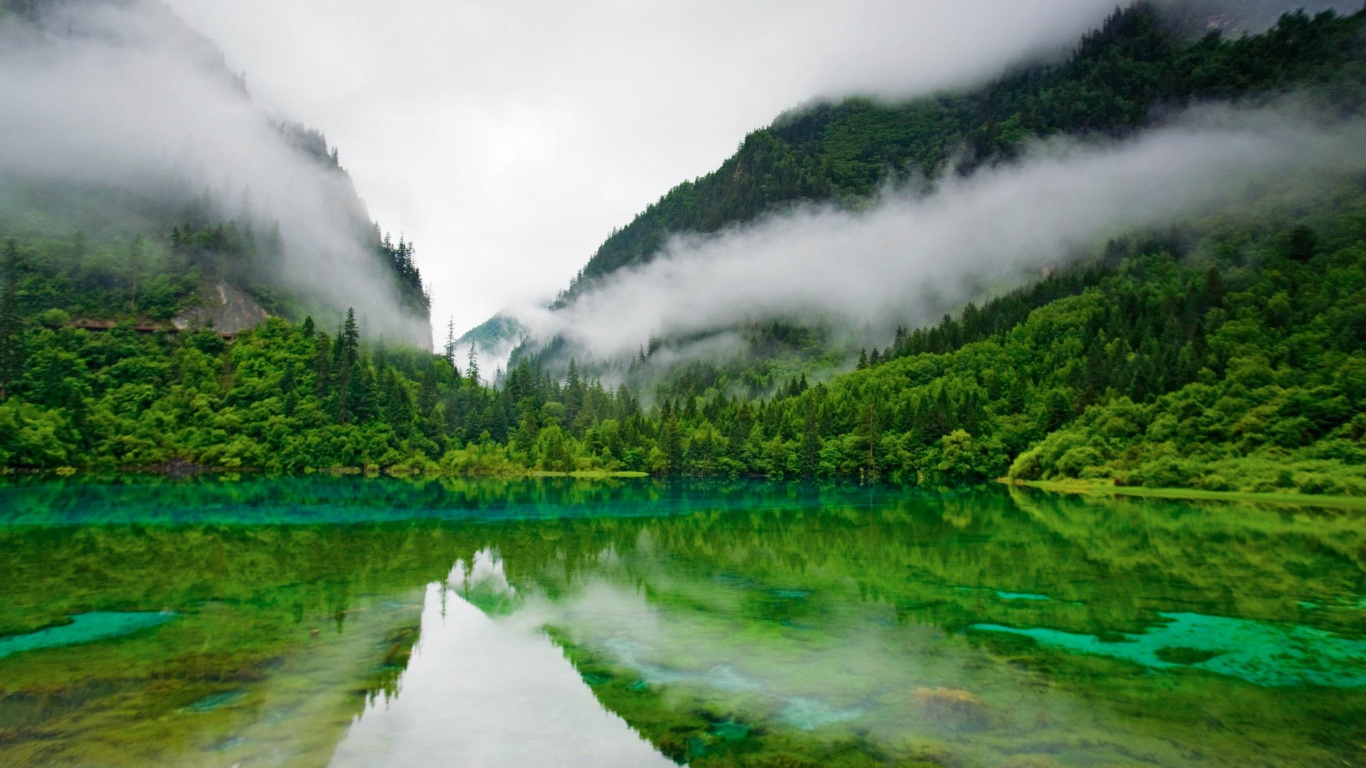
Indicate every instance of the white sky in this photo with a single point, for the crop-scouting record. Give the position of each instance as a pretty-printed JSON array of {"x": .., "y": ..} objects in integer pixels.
[{"x": 508, "y": 138}]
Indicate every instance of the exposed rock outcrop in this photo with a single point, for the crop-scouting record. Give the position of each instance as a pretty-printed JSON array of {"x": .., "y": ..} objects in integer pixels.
[{"x": 226, "y": 309}]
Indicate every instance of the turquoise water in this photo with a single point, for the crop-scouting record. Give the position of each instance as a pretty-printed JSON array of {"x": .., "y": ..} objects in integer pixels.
[
  {"x": 84, "y": 628},
  {"x": 1021, "y": 596},
  {"x": 1258, "y": 652},
  {"x": 352, "y": 622}
]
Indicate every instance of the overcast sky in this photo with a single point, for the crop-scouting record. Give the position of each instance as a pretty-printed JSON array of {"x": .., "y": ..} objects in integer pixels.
[{"x": 508, "y": 138}]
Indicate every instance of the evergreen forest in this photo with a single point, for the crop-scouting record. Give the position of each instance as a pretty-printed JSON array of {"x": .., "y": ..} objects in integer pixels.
[{"x": 1227, "y": 353}]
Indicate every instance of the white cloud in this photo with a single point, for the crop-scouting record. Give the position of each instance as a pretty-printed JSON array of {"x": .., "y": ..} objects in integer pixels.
[
  {"x": 509, "y": 138},
  {"x": 122, "y": 95},
  {"x": 914, "y": 256}
]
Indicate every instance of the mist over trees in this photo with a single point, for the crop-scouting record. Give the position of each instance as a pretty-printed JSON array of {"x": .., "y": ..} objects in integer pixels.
[
  {"x": 130, "y": 128},
  {"x": 1223, "y": 350},
  {"x": 829, "y": 167}
]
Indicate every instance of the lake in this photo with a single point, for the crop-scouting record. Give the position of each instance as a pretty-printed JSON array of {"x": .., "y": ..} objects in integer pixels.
[{"x": 373, "y": 622}]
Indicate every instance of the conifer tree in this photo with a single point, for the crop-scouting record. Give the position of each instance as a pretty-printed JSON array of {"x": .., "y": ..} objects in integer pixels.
[
  {"x": 473, "y": 371},
  {"x": 11, "y": 340},
  {"x": 135, "y": 266},
  {"x": 449, "y": 349},
  {"x": 350, "y": 341},
  {"x": 868, "y": 430},
  {"x": 671, "y": 444},
  {"x": 808, "y": 458},
  {"x": 346, "y": 354}
]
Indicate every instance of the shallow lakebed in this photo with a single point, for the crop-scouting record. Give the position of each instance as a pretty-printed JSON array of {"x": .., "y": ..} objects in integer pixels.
[{"x": 353, "y": 622}]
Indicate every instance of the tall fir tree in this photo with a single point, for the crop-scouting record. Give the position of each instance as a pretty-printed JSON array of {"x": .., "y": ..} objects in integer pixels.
[
  {"x": 135, "y": 267},
  {"x": 449, "y": 349},
  {"x": 472, "y": 372},
  {"x": 346, "y": 357},
  {"x": 11, "y": 325}
]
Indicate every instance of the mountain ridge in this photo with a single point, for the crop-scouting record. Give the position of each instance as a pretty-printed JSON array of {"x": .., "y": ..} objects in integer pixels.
[
  {"x": 207, "y": 189},
  {"x": 845, "y": 152}
]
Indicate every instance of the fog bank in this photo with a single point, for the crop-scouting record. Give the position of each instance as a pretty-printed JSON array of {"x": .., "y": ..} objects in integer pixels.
[
  {"x": 915, "y": 255},
  {"x": 122, "y": 96}
]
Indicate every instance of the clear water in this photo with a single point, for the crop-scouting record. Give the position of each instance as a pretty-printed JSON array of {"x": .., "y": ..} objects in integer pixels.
[
  {"x": 84, "y": 628},
  {"x": 1259, "y": 652},
  {"x": 350, "y": 622}
]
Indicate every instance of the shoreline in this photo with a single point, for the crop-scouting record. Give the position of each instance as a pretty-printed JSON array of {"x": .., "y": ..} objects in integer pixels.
[
  {"x": 184, "y": 470},
  {"x": 1079, "y": 487},
  {"x": 1191, "y": 494}
]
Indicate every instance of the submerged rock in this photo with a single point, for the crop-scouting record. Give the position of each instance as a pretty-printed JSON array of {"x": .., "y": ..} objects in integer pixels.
[
  {"x": 953, "y": 707},
  {"x": 729, "y": 730},
  {"x": 214, "y": 701}
]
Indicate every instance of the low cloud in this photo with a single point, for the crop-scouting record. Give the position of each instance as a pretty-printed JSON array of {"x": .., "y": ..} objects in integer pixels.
[
  {"x": 915, "y": 255},
  {"x": 120, "y": 96}
]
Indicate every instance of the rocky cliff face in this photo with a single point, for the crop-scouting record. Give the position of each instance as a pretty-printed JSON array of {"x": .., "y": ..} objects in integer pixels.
[{"x": 225, "y": 309}]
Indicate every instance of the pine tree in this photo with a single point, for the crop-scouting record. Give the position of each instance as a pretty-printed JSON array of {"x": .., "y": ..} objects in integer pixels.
[
  {"x": 362, "y": 396},
  {"x": 671, "y": 444},
  {"x": 573, "y": 393},
  {"x": 135, "y": 266},
  {"x": 868, "y": 430},
  {"x": 346, "y": 356},
  {"x": 11, "y": 340},
  {"x": 322, "y": 364},
  {"x": 244, "y": 211},
  {"x": 396, "y": 403},
  {"x": 273, "y": 246},
  {"x": 473, "y": 371},
  {"x": 809, "y": 455},
  {"x": 350, "y": 341},
  {"x": 449, "y": 349}
]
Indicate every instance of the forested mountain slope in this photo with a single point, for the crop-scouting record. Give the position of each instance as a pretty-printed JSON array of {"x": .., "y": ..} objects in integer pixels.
[
  {"x": 1110, "y": 86},
  {"x": 140, "y": 183},
  {"x": 1227, "y": 352},
  {"x": 1141, "y": 64},
  {"x": 1229, "y": 360}
]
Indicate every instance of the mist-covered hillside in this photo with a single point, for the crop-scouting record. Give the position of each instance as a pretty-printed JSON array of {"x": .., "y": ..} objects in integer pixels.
[
  {"x": 700, "y": 274},
  {"x": 141, "y": 183},
  {"x": 1152, "y": 271}
]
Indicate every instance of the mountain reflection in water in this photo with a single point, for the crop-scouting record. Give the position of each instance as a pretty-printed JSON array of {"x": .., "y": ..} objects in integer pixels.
[
  {"x": 357, "y": 623},
  {"x": 484, "y": 692}
]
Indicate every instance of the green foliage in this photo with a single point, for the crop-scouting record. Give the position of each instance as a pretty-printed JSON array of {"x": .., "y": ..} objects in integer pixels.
[
  {"x": 845, "y": 152},
  {"x": 108, "y": 249},
  {"x": 1226, "y": 354},
  {"x": 11, "y": 324},
  {"x": 1240, "y": 366},
  {"x": 297, "y": 595}
]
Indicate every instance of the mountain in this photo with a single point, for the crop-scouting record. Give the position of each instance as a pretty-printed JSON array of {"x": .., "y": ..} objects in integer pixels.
[
  {"x": 141, "y": 183},
  {"x": 1167, "y": 297},
  {"x": 1237, "y": 17},
  {"x": 1144, "y": 61}
]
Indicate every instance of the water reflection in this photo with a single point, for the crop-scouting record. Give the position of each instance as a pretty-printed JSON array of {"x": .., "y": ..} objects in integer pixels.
[
  {"x": 484, "y": 692},
  {"x": 550, "y": 623}
]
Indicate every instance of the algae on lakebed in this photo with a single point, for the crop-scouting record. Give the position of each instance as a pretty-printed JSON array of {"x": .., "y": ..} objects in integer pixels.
[
  {"x": 744, "y": 624},
  {"x": 84, "y": 628},
  {"x": 1258, "y": 652}
]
